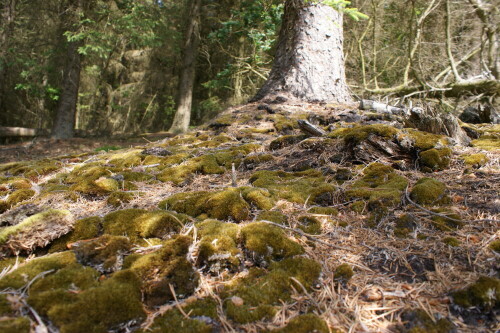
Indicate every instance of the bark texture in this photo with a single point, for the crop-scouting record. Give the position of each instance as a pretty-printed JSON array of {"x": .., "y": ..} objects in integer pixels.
[
  {"x": 309, "y": 62},
  {"x": 186, "y": 81}
]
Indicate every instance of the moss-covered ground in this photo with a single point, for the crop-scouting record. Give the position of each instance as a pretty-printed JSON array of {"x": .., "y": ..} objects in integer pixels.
[{"x": 248, "y": 225}]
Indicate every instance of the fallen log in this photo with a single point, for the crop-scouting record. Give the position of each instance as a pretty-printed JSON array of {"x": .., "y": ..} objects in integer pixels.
[
  {"x": 367, "y": 104},
  {"x": 20, "y": 131}
]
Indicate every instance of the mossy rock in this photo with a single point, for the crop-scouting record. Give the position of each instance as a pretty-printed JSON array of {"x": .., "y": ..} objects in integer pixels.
[
  {"x": 309, "y": 224},
  {"x": 105, "y": 254},
  {"x": 202, "y": 318},
  {"x": 218, "y": 248},
  {"x": 165, "y": 267},
  {"x": 28, "y": 270},
  {"x": 298, "y": 187},
  {"x": 418, "y": 321},
  {"x": 273, "y": 216},
  {"x": 380, "y": 185},
  {"x": 15, "y": 325},
  {"x": 435, "y": 159},
  {"x": 357, "y": 134},
  {"x": 118, "y": 198},
  {"x": 305, "y": 323},
  {"x": 86, "y": 228},
  {"x": 483, "y": 294},
  {"x": 343, "y": 273},
  {"x": 100, "y": 308},
  {"x": 48, "y": 225},
  {"x": 446, "y": 224},
  {"x": 475, "y": 160},
  {"x": 429, "y": 191},
  {"x": 220, "y": 205},
  {"x": 267, "y": 242},
  {"x": 261, "y": 291},
  {"x": 138, "y": 223},
  {"x": 286, "y": 141}
]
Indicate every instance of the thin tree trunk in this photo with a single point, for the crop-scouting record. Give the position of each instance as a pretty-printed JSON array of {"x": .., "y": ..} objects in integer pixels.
[
  {"x": 8, "y": 16},
  {"x": 309, "y": 62},
  {"x": 186, "y": 81}
]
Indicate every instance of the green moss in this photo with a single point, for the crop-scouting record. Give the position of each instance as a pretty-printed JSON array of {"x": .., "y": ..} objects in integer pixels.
[
  {"x": 405, "y": 224},
  {"x": 358, "y": 207},
  {"x": 165, "y": 267},
  {"x": 495, "y": 245},
  {"x": 19, "y": 196},
  {"x": 138, "y": 223},
  {"x": 220, "y": 205},
  {"x": 309, "y": 224},
  {"x": 98, "y": 309},
  {"x": 5, "y": 306},
  {"x": 343, "y": 273},
  {"x": 32, "y": 169},
  {"x": 487, "y": 142},
  {"x": 298, "y": 187},
  {"x": 357, "y": 134},
  {"x": 166, "y": 161},
  {"x": 215, "y": 141},
  {"x": 91, "y": 171},
  {"x": 258, "y": 197},
  {"x": 273, "y": 216},
  {"x": 15, "y": 325},
  {"x": 61, "y": 287},
  {"x": 252, "y": 161},
  {"x": 286, "y": 141},
  {"x": 323, "y": 210},
  {"x": 446, "y": 224},
  {"x": 28, "y": 270},
  {"x": 268, "y": 241},
  {"x": 262, "y": 291},
  {"x": 451, "y": 241},
  {"x": 136, "y": 176},
  {"x": 126, "y": 159},
  {"x": 380, "y": 185},
  {"x": 205, "y": 164},
  {"x": 484, "y": 294},
  {"x": 118, "y": 198},
  {"x": 305, "y": 323},
  {"x": 429, "y": 191},
  {"x": 423, "y": 140},
  {"x": 418, "y": 321},
  {"x": 202, "y": 313},
  {"x": 14, "y": 183},
  {"x": 283, "y": 124},
  {"x": 86, "y": 228},
  {"x": 105, "y": 253},
  {"x": 435, "y": 159},
  {"x": 218, "y": 248},
  {"x": 475, "y": 160}
]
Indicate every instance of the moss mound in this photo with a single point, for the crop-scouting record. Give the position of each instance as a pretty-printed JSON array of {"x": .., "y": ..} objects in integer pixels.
[
  {"x": 273, "y": 216},
  {"x": 357, "y": 134},
  {"x": 446, "y": 224},
  {"x": 418, "y": 321},
  {"x": 105, "y": 253},
  {"x": 343, "y": 273},
  {"x": 305, "y": 323},
  {"x": 309, "y": 224},
  {"x": 483, "y": 294},
  {"x": 15, "y": 325},
  {"x": 428, "y": 191},
  {"x": 82, "y": 229},
  {"x": 118, "y": 198},
  {"x": 435, "y": 159},
  {"x": 475, "y": 160}
]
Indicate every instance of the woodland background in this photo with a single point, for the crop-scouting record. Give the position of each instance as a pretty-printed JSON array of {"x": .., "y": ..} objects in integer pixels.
[{"x": 131, "y": 56}]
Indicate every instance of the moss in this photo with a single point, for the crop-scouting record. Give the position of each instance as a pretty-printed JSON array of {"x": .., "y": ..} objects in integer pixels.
[
  {"x": 487, "y": 142},
  {"x": 105, "y": 253},
  {"x": 218, "y": 248},
  {"x": 98, "y": 309},
  {"x": 126, "y": 159},
  {"x": 32, "y": 169},
  {"x": 15, "y": 325},
  {"x": 28, "y": 270},
  {"x": 19, "y": 196},
  {"x": 435, "y": 159},
  {"x": 380, "y": 185},
  {"x": 41, "y": 223},
  {"x": 258, "y": 197},
  {"x": 418, "y": 321},
  {"x": 358, "y": 207},
  {"x": 202, "y": 318},
  {"x": 343, "y": 273},
  {"x": 423, "y": 140},
  {"x": 91, "y": 171},
  {"x": 305, "y": 323},
  {"x": 166, "y": 161},
  {"x": 451, "y": 241},
  {"x": 5, "y": 306},
  {"x": 165, "y": 267},
  {"x": 446, "y": 224},
  {"x": 357, "y": 134},
  {"x": 483, "y": 294},
  {"x": 405, "y": 224},
  {"x": 61, "y": 287},
  {"x": 429, "y": 191},
  {"x": 250, "y": 162},
  {"x": 14, "y": 183},
  {"x": 215, "y": 141},
  {"x": 323, "y": 210},
  {"x": 86, "y": 228},
  {"x": 475, "y": 160},
  {"x": 206, "y": 164},
  {"x": 283, "y": 124},
  {"x": 136, "y": 176},
  {"x": 309, "y": 224},
  {"x": 262, "y": 291},
  {"x": 220, "y": 205},
  {"x": 273, "y": 216},
  {"x": 138, "y": 223},
  {"x": 495, "y": 245},
  {"x": 118, "y": 198},
  {"x": 268, "y": 241},
  {"x": 286, "y": 141},
  {"x": 298, "y": 187}
]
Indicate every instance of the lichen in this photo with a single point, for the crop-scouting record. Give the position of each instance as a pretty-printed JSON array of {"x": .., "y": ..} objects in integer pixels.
[
  {"x": 429, "y": 191},
  {"x": 484, "y": 294},
  {"x": 305, "y": 323},
  {"x": 343, "y": 273},
  {"x": 435, "y": 159}
]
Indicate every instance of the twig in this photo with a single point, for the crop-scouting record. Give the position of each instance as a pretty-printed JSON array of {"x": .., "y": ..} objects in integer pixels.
[
  {"x": 172, "y": 290},
  {"x": 300, "y": 232}
]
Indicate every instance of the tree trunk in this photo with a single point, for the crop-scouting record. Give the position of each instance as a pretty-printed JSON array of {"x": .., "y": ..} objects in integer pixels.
[
  {"x": 8, "y": 16},
  {"x": 187, "y": 75},
  {"x": 309, "y": 63}
]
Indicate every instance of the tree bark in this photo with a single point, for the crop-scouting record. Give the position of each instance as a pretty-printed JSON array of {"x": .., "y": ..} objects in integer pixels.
[
  {"x": 8, "y": 17},
  {"x": 309, "y": 63},
  {"x": 186, "y": 80}
]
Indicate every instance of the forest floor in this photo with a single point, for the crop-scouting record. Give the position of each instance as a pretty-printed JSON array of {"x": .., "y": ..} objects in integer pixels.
[{"x": 248, "y": 225}]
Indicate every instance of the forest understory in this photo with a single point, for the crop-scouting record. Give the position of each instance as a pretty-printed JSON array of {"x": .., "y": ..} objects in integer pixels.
[{"x": 249, "y": 225}]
